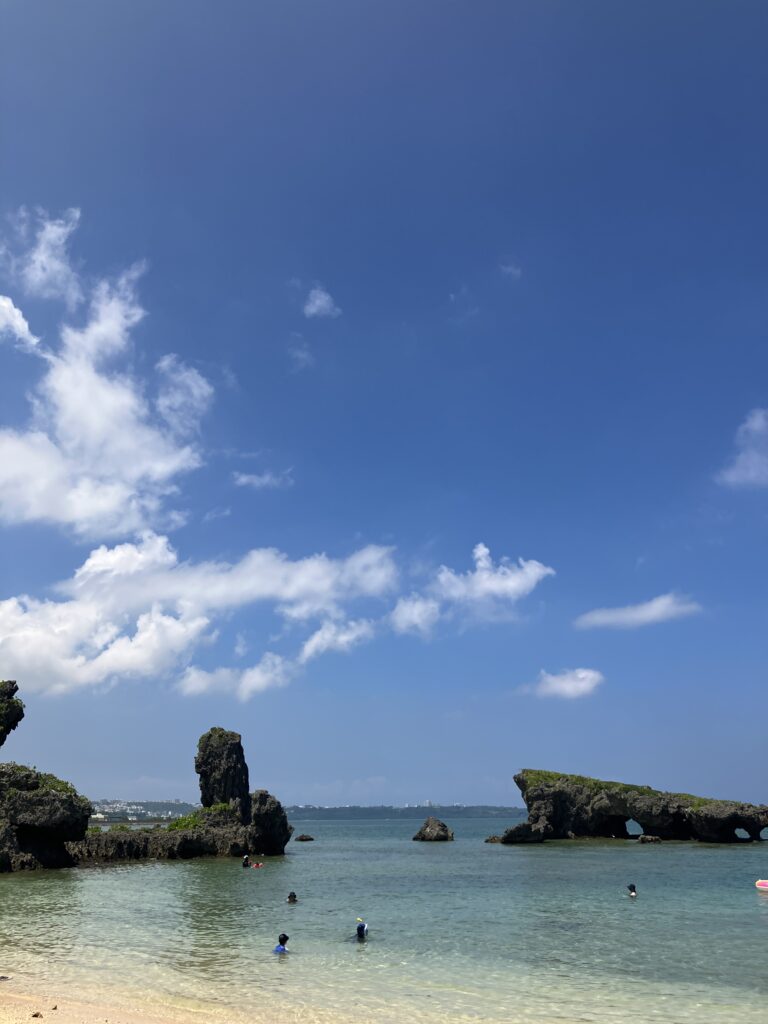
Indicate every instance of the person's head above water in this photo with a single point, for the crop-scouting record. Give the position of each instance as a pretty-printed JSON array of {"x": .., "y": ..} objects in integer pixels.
[
  {"x": 292, "y": 897},
  {"x": 282, "y": 938},
  {"x": 362, "y": 928},
  {"x": 632, "y": 889}
]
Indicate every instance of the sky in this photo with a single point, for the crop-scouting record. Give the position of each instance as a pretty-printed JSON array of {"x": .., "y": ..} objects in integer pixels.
[{"x": 387, "y": 382}]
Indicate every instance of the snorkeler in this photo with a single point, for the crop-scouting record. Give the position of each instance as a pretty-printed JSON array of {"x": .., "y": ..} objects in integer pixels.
[
  {"x": 282, "y": 938},
  {"x": 362, "y": 930},
  {"x": 292, "y": 897},
  {"x": 632, "y": 889}
]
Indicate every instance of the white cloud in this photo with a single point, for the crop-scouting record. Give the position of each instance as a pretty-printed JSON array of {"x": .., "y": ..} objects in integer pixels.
[
  {"x": 184, "y": 396},
  {"x": 335, "y": 636},
  {"x": 511, "y": 270},
  {"x": 415, "y": 614},
  {"x": 489, "y": 590},
  {"x": 301, "y": 355},
  {"x": 267, "y": 481},
  {"x": 659, "y": 609},
  {"x": 133, "y": 610},
  {"x": 572, "y": 683},
  {"x": 749, "y": 467},
  {"x": 13, "y": 323},
  {"x": 320, "y": 304},
  {"x": 95, "y": 456},
  {"x": 45, "y": 271},
  {"x": 271, "y": 671}
]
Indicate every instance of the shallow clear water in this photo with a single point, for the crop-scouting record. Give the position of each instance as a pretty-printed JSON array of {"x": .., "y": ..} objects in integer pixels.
[{"x": 458, "y": 932}]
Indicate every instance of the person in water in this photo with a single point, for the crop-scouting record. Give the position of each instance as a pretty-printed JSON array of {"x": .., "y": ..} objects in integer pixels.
[
  {"x": 292, "y": 897},
  {"x": 362, "y": 930},
  {"x": 632, "y": 890},
  {"x": 282, "y": 938},
  {"x": 246, "y": 861}
]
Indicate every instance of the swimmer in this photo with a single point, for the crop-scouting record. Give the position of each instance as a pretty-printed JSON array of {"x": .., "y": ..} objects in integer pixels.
[
  {"x": 246, "y": 861},
  {"x": 259, "y": 865},
  {"x": 632, "y": 890},
  {"x": 282, "y": 938},
  {"x": 292, "y": 897},
  {"x": 362, "y": 930}
]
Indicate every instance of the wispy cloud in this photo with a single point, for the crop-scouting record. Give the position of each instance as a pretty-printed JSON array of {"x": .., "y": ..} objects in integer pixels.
[
  {"x": 97, "y": 456},
  {"x": 510, "y": 270},
  {"x": 749, "y": 466},
  {"x": 13, "y": 324},
  {"x": 45, "y": 270},
  {"x": 568, "y": 684},
  {"x": 218, "y": 512},
  {"x": 266, "y": 481},
  {"x": 415, "y": 614},
  {"x": 319, "y": 303},
  {"x": 300, "y": 353},
  {"x": 659, "y": 609},
  {"x": 489, "y": 589}
]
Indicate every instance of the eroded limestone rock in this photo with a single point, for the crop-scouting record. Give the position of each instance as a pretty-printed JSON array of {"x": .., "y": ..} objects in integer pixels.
[
  {"x": 574, "y": 806},
  {"x": 11, "y": 708}
]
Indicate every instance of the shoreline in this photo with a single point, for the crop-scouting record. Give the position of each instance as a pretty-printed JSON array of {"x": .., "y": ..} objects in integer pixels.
[{"x": 21, "y": 1003}]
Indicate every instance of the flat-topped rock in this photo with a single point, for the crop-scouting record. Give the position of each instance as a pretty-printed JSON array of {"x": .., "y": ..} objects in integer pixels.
[
  {"x": 575, "y": 806},
  {"x": 433, "y": 831}
]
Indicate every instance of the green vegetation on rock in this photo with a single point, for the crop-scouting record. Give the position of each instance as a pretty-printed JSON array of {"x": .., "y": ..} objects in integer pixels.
[
  {"x": 202, "y": 817},
  {"x": 538, "y": 777}
]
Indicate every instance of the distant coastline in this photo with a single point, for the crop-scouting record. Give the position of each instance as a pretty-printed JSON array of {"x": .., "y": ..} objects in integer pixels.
[{"x": 154, "y": 811}]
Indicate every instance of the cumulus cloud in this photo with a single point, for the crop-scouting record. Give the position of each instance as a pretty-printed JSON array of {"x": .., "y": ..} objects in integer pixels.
[
  {"x": 749, "y": 466},
  {"x": 415, "y": 614},
  {"x": 96, "y": 456},
  {"x": 659, "y": 609},
  {"x": 319, "y": 303},
  {"x": 267, "y": 481},
  {"x": 134, "y": 610},
  {"x": 569, "y": 684},
  {"x": 489, "y": 590},
  {"x": 45, "y": 270},
  {"x": 14, "y": 324}
]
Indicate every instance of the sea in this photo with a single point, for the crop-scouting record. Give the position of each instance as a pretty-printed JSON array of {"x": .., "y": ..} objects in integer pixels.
[{"x": 458, "y": 932}]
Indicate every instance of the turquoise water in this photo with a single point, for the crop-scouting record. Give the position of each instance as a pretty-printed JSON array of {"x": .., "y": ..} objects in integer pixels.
[{"x": 460, "y": 931}]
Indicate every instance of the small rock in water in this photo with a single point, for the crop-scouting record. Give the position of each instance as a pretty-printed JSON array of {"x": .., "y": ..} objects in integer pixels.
[
  {"x": 303, "y": 838},
  {"x": 493, "y": 839},
  {"x": 434, "y": 831},
  {"x": 648, "y": 839}
]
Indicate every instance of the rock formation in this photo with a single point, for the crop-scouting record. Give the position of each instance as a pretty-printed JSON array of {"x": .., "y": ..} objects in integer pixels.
[
  {"x": 44, "y": 821},
  {"x": 231, "y": 822},
  {"x": 433, "y": 831},
  {"x": 11, "y": 709},
  {"x": 39, "y": 813},
  {"x": 574, "y": 806},
  {"x": 304, "y": 838},
  {"x": 220, "y": 763}
]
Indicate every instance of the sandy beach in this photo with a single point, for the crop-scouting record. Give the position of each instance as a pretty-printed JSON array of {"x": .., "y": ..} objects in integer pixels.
[{"x": 20, "y": 1007}]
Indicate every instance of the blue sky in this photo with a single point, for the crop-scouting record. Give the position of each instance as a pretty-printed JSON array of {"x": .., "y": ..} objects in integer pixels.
[{"x": 387, "y": 382}]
